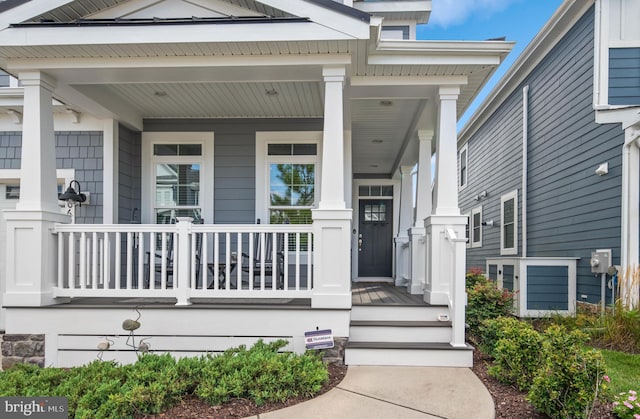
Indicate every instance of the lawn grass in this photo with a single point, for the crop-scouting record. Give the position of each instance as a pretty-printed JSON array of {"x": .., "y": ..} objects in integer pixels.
[{"x": 624, "y": 371}]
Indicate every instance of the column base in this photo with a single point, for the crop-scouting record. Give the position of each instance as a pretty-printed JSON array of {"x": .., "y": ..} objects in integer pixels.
[
  {"x": 436, "y": 298},
  {"x": 403, "y": 268},
  {"x": 418, "y": 263}
]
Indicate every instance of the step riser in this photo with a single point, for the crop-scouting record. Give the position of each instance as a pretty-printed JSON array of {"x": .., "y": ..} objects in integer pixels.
[
  {"x": 397, "y": 313},
  {"x": 410, "y": 357},
  {"x": 399, "y": 334}
]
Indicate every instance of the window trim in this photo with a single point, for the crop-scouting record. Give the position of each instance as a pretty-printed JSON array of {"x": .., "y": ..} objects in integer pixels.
[
  {"x": 149, "y": 139},
  {"x": 504, "y": 198},
  {"x": 468, "y": 229},
  {"x": 462, "y": 183},
  {"x": 476, "y": 210},
  {"x": 263, "y": 139}
]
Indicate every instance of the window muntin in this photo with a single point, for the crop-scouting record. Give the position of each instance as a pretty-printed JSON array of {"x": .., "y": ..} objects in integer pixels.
[
  {"x": 509, "y": 223},
  {"x": 375, "y": 213},
  {"x": 375, "y": 191},
  {"x": 476, "y": 227}
]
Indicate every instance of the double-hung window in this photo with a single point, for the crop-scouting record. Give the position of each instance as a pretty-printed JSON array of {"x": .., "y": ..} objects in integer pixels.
[
  {"x": 509, "y": 223},
  {"x": 463, "y": 167},
  {"x": 476, "y": 227},
  {"x": 292, "y": 182}
]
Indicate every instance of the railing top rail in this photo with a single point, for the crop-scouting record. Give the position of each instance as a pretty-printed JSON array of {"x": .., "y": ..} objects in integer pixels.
[
  {"x": 252, "y": 228},
  {"x": 172, "y": 228}
]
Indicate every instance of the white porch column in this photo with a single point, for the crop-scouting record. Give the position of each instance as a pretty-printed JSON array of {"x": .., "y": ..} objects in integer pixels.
[
  {"x": 31, "y": 247},
  {"x": 444, "y": 265},
  {"x": 446, "y": 153},
  {"x": 110, "y": 171},
  {"x": 332, "y": 220},
  {"x": 403, "y": 269},
  {"x": 423, "y": 210}
]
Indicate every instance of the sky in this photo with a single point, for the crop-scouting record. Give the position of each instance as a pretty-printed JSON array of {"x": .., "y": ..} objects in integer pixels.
[{"x": 477, "y": 20}]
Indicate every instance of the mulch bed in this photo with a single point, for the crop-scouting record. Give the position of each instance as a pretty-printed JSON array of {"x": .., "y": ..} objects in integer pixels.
[
  {"x": 192, "y": 407},
  {"x": 509, "y": 402}
]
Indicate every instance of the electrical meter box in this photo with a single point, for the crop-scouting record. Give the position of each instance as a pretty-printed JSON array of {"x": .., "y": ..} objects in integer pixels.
[{"x": 600, "y": 261}]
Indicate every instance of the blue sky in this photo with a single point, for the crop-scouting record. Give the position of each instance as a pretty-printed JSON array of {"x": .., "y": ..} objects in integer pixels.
[{"x": 476, "y": 20}]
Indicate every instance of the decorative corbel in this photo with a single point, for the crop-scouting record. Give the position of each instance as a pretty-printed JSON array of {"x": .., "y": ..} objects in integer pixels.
[
  {"x": 16, "y": 116},
  {"x": 75, "y": 116}
]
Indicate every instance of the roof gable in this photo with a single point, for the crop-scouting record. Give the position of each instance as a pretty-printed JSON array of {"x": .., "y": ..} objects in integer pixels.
[{"x": 166, "y": 9}]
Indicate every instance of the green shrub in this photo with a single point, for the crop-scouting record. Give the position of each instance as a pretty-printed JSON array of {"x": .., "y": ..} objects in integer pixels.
[
  {"x": 474, "y": 276},
  {"x": 492, "y": 330},
  {"x": 262, "y": 374},
  {"x": 570, "y": 379},
  {"x": 486, "y": 301},
  {"x": 106, "y": 390},
  {"x": 516, "y": 352}
]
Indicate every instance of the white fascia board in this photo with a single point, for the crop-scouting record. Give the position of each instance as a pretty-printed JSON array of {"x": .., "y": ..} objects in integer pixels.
[
  {"x": 173, "y": 62},
  {"x": 169, "y": 34},
  {"x": 567, "y": 15},
  {"x": 337, "y": 21},
  {"x": 357, "y": 81},
  {"x": 29, "y": 10},
  {"x": 439, "y": 53},
  {"x": 406, "y": 6},
  {"x": 626, "y": 116}
]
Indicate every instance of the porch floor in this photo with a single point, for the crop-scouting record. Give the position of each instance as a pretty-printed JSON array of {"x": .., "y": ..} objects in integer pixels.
[{"x": 384, "y": 294}]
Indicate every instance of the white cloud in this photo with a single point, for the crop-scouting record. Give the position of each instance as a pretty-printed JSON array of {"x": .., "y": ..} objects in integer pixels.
[{"x": 454, "y": 12}]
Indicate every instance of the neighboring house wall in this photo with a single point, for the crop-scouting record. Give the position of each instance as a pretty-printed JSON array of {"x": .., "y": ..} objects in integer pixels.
[
  {"x": 129, "y": 169},
  {"x": 78, "y": 150},
  {"x": 571, "y": 211},
  {"x": 234, "y": 159}
]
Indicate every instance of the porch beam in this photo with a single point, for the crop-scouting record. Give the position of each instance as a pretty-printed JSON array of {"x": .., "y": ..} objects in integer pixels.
[
  {"x": 446, "y": 189},
  {"x": 358, "y": 81},
  {"x": 169, "y": 62}
]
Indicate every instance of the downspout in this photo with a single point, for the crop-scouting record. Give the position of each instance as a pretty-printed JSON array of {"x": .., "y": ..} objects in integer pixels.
[{"x": 525, "y": 142}]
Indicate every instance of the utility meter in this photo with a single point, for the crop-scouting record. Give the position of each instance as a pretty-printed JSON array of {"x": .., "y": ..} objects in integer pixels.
[{"x": 600, "y": 261}]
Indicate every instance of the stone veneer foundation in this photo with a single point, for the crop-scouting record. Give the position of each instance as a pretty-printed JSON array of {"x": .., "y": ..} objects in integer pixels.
[{"x": 22, "y": 349}]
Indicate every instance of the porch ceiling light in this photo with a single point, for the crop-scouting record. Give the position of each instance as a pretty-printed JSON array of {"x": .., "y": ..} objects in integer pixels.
[
  {"x": 386, "y": 103},
  {"x": 160, "y": 93},
  {"x": 271, "y": 92},
  {"x": 377, "y": 141},
  {"x": 71, "y": 196}
]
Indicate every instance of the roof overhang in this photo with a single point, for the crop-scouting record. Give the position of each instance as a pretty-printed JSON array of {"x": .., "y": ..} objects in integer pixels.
[{"x": 413, "y": 10}]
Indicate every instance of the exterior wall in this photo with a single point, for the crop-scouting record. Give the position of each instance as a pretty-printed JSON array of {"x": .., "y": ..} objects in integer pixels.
[
  {"x": 129, "y": 176},
  {"x": 78, "y": 150},
  {"x": 234, "y": 159},
  {"x": 624, "y": 76},
  {"x": 571, "y": 211}
]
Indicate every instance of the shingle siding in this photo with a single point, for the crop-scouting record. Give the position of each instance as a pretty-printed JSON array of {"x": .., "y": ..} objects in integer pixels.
[
  {"x": 571, "y": 211},
  {"x": 70, "y": 146}
]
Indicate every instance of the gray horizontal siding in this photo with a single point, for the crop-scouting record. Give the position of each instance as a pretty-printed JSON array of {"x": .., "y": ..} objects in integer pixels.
[
  {"x": 624, "y": 76},
  {"x": 547, "y": 288},
  {"x": 129, "y": 176},
  {"x": 571, "y": 211},
  {"x": 234, "y": 158},
  {"x": 79, "y": 150}
]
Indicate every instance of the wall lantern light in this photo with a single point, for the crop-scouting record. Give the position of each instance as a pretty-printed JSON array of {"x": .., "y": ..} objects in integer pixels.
[{"x": 71, "y": 197}]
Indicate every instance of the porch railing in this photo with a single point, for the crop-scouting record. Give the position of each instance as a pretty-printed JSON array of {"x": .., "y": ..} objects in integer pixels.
[
  {"x": 184, "y": 260},
  {"x": 457, "y": 291}
]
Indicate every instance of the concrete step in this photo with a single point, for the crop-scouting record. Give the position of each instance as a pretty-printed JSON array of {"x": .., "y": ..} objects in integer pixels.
[
  {"x": 398, "y": 313},
  {"x": 399, "y": 331},
  {"x": 408, "y": 354}
]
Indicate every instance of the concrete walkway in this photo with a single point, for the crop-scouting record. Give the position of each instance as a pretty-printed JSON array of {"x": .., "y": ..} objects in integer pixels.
[{"x": 398, "y": 392}]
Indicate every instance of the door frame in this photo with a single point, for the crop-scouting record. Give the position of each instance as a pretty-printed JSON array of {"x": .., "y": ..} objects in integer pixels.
[{"x": 356, "y": 217}]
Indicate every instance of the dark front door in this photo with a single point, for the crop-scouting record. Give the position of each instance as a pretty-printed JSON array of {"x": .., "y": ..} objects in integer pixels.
[{"x": 375, "y": 243}]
